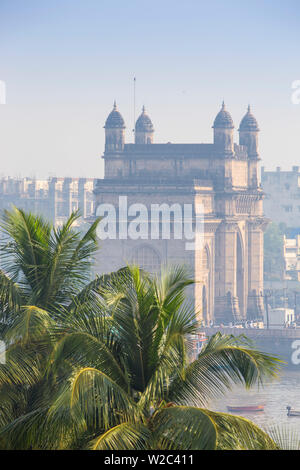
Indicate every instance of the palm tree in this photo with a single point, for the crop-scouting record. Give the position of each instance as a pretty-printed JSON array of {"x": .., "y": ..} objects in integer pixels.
[
  {"x": 41, "y": 265},
  {"x": 43, "y": 272},
  {"x": 118, "y": 375}
]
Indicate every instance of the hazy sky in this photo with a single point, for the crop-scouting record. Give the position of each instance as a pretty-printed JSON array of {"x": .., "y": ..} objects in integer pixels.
[{"x": 65, "y": 61}]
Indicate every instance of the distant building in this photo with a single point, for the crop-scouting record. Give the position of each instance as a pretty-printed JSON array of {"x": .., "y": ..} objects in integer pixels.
[
  {"x": 282, "y": 206},
  {"x": 291, "y": 253},
  {"x": 223, "y": 177},
  {"x": 282, "y": 197},
  {"x": 53, "y": 198},
  {"x": 279, "y": 318}
]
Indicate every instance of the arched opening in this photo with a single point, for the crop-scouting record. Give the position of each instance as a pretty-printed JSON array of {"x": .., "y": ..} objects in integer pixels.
[
  {"x": 240, "y": 275},
  {"x": 147, "y": 258}
]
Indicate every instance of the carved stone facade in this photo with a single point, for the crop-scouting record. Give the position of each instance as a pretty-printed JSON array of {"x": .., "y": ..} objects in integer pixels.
[{"x": 223, "y": 179}]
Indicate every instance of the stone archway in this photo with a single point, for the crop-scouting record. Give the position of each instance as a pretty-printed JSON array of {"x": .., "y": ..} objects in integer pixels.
[{"x": 147, "y": 258}]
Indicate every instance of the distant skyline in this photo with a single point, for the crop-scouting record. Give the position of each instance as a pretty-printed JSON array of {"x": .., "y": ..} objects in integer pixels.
[{"x": 64, "y": 62}]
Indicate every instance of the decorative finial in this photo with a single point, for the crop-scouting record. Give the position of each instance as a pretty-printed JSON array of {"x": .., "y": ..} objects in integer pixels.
[
  {"x": 115, "y": 105},
  {"x": 223, "y": 105},
  {"x": 143, "y": 109},
  {"x": 249, "y": 108}
]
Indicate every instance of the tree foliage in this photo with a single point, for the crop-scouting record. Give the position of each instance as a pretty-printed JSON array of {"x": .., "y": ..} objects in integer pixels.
[{"x": 104, "y": 364}]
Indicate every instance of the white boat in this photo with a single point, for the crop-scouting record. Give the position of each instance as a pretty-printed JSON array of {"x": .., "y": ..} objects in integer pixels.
[{"x": 292, "y": 412}]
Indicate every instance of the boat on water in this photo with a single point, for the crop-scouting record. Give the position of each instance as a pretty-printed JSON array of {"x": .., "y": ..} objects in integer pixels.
[
  {"x": 291, "y": 412},
  {"x": 246, "y": 409}
]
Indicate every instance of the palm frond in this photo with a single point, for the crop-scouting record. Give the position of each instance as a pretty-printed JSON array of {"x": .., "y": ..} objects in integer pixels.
[
  {"x": 285, "y": 437},
  {"x": 102, "y": 401},
  {"x": 29, "y": 326},
  {"x": 24, "y": 251},
  {"x": 184, "y": 428},
  {"x": 237, "y": 433},
  {"x": 82, "y": 349},
  {"x": 124, "y": 436},
  {"x": 190, "y": 428},
  {"x": 226, "y": 360},
  {"x": 11, "y": 297},
  {"x": 26, "y": 432}
]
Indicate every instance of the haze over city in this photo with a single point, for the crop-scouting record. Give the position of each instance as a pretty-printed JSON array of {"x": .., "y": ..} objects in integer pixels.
[
  {"x": 149, "y": 299},
  {"x": 64, "y": 63}
]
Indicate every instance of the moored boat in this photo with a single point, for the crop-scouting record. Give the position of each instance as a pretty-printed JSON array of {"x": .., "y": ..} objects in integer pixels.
[
  {"x": 292, "y": 412},
  {"x": 246, "y": 409}
]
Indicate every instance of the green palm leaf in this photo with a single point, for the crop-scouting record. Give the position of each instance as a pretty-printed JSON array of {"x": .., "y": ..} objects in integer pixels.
[
  {"x": 190, "y": 428},
  {"x": 103, "y": 363},
  {"x": 285, "y": 437},
  {"x": 184, "y": 428},
  {"x": 124, "y": 436},
  {"x": 226, "y": 360},
  {"x": 102, "y": 401}
]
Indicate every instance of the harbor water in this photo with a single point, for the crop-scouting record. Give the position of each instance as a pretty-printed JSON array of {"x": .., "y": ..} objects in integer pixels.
[{"x": 275, "y": 396}]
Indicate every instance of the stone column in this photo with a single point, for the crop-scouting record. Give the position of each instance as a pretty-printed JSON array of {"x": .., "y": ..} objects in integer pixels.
[
  {"x": 205, "y": 275},
  {"x": 255, "y": 269},
  {"x": 226, "y": 300}
]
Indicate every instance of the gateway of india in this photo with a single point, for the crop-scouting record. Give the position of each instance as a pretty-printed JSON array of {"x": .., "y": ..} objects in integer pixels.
[{"x": 221, "y": 176}]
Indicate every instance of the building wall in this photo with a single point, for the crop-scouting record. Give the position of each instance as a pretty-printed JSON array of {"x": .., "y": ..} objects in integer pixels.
[
  {"x": 54, "y": 198},
  {"x": 291, "y": 253},
  {"x": 228, "y": 267},
  {"x": 282, "y": 200}
]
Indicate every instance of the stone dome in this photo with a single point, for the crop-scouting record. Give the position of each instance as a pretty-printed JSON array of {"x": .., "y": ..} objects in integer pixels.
[
  {"x": 223, "y": 119},
  {"x": 249, "y": 123},
  {"x": 144, "y": 123},
  {"x": 115, "y": 119}
]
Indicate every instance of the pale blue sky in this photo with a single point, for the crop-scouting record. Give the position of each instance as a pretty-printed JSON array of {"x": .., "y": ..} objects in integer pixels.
[{"x": 65, "y": 61}]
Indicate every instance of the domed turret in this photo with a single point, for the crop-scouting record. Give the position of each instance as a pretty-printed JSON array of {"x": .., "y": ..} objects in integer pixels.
[
  {"x": 249, "y": 138},
  {"x": 223, "y": 119},
  {"x": 114, "y": 131},
  {"x": 144, "y": 129},
  {"x": 249, "y": 134},
  {"x": 223, "y": 131},
  {"x": 114, "y": 119},
  {"x": 249, "y": 123}
]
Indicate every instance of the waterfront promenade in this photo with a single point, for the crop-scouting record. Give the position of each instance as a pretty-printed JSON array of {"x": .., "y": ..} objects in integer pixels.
[{"x": 283, "y": 343}]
